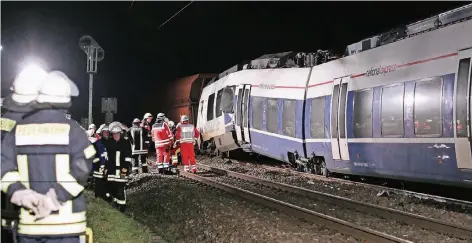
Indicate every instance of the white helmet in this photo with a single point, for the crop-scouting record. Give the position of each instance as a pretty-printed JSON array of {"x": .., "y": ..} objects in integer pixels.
[
  {"x": 57, "y": 88},
  {"x": 92, "y": 126},
  {"x": 147, "y": 115},
  {"x": 136, "y": 120},
  {"x": 27, "y": 84},
  {"x": 102, "y": 128},
  {"x": 183, "y": 118},
  {"x": 116, "y": 129},
  {"x": 171, "y": 124}
]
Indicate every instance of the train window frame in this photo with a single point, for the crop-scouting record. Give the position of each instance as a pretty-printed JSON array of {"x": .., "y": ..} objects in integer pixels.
[
  {"x": 218, "y": 110},
  {"x": 260, "y": 112},
  {"x": 268, "y": 116},
  {"x": 294, "y": 118},
  {"x": 323, "y": 99},
  {"x": 371, "y": 90},
  {"x": 403, "y": 110},
  {"x": 462, "y": 80},
  {"x": 441, "y": 78},
  {"x": 239, "y": 108},
  {"x": 210, "y": 98}
]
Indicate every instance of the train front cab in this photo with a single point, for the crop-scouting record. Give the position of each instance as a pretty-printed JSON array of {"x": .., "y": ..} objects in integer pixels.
[{"x": 411, "y": 130}]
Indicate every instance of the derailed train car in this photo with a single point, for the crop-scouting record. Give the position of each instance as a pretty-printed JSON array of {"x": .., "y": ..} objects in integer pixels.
[{"x": 397, "y": 106}]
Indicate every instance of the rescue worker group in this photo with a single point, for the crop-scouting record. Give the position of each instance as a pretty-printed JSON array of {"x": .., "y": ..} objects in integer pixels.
[{"x": 48, "y": 159}]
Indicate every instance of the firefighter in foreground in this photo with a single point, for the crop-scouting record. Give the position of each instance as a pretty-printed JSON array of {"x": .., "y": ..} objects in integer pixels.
[
  {"x": 186, "y": 135},
  {"x": 163, "y": 138},
  {"x": 146, "y": 126},
  {"x": 138, "y": 138},
  {"x": 118, "y": 164},
  {"x": 25, "y": 89},
  {"x": 98, "y": 166},
  {"x": 45, "y": 164}
]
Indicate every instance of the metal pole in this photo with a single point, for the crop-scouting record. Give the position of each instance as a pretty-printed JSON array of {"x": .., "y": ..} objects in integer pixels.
[{"x": 90, "y": 98}]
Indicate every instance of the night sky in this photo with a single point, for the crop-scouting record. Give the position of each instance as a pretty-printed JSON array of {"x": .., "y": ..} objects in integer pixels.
[{"x": 206, "y": 37}]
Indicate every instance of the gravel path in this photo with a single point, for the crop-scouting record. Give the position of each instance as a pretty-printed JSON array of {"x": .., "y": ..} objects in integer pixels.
[
  {"x": 181, "y": 210},
  {"x": 456, "y": 214},
  {"x": 410, "y": 232}
]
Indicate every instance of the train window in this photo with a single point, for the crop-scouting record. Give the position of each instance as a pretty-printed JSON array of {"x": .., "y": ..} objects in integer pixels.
[
  {"x": 392, "y": 110},
  {"x": 257, "y": 112},
  {"x": 334, "y": 112},
  {"x": 218, "y": 103},
  {"x": 427, "y": 107},
  {"x": 289, "y": 117},
  {"x": 210, "y": 106},
  {"x": 227, "y": 99},
  {"x": 246, "y": 108},
  {"x": 238, "y": 107},
  {"x": 363, "y": 113},
  {"x": 461, "y": 97},
  {"x": 317, "y": 117},
  {"x": 272, "y": 119}
]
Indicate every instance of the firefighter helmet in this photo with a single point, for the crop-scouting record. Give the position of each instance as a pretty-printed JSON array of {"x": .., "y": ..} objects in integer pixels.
[
  {"x": 116, "y": 129},
  {"x": 57, "y": 88},
  {"x": 171, "y": 124},
  {"x": 147, "y": 115},
  {"x": 184, "y": 118},
  {"x": 92, "y": 126},
  {"x": 136, "y": 120},
  {"x": 160, "y": 115},
  {"x": 27, "y": 84}
]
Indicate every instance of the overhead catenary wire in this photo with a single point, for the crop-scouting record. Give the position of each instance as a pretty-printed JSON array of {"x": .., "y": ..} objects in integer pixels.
[{"x": 160, "y": 26}]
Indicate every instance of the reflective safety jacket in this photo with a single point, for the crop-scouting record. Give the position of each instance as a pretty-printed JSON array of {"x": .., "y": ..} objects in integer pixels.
[
  {"x": 119, "y": 160},
  {"x": 46, "y": 150},
  {"x": 161, "y": 134},
  {"x": 138, "y": 141},
  {"x": 186, "y": 133},
  {"x": 9, "y": 210},
  {"x": 99, "y": 159}
]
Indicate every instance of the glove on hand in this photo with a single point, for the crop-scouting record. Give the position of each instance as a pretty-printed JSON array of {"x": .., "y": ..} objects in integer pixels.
[
  {"x": 27, "y": 198},
  {"x": 48, "y": 204}
]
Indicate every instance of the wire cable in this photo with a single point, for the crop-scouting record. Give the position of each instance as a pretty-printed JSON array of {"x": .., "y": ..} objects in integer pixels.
[{"x": 160, "y": 26}]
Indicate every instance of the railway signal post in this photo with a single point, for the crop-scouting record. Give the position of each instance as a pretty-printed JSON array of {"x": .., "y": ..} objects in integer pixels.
[{"x": 95, "y": 53}]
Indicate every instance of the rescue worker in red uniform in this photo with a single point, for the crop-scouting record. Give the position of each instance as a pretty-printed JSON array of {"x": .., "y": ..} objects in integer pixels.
[
  {"x": 147, "y": 139},
  {"x": 163, "y": 138},
  {"x": 186, "y": 135}
]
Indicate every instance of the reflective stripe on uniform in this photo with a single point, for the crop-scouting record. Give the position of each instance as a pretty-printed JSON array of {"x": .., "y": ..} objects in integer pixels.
[
  {"x": 22, "y": 161},
  {"x": 96, "y": 160},
  {"x": 89, "y": 152},
  {"x": 61, "y": 229},
  {"x": 10, "y": 178},
  {"x": 64, "y": 178},
  {"x": 117, "y": 158},
  {"x": 127, "y": 159},
  {"x": 7, "y": 124}
]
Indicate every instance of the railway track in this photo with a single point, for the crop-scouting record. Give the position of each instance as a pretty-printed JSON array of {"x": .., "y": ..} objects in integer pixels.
[
  {"x": 303, "y": 213},
  {"x": 422, "y": 196},
  {"x": 369, "y": 210}
]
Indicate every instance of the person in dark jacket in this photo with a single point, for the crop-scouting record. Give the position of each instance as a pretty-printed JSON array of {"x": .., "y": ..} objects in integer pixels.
[
  {"x": 119, "y": 160},
  {"x": 25, "y": 89},
  {"x": 139, "y": 137},
  {"x": 98, "y": 166},
  {"x": 45, "y": 165}
]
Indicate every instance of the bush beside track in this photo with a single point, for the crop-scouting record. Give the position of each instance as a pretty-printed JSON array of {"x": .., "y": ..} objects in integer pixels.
[{"x": 111, "y": 226}]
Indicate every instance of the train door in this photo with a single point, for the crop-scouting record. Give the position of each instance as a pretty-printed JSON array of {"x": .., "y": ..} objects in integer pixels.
[
  {"x": 339, "y": 146},
  {"x": 242, "y": 113},
  {"x": 463, "y": 109}
]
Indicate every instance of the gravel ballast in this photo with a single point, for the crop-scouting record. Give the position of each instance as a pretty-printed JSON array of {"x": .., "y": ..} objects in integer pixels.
[
  {"x": 440, "y": 211},
  {"x": 409, "y": 232},
  {"x": 181, "y": 210}
]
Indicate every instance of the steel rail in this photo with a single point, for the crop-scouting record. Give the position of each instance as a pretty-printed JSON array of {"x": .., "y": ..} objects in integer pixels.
[
  {"x": 383, "y": 212},
  {"x": 299, "y": 212},
  {"x": 396, "y": 190}
]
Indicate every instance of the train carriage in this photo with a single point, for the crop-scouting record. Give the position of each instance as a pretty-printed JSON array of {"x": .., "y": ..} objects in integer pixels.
[{"x": 401, "y": 110}]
